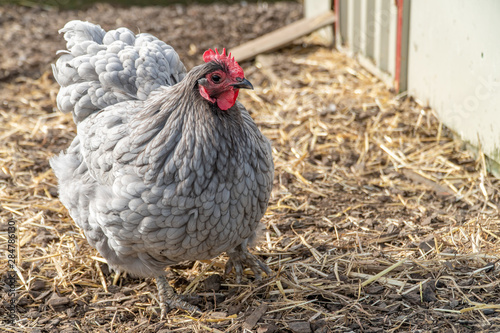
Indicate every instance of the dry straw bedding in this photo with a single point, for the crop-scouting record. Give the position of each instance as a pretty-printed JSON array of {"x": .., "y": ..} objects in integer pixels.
[{"x": 378, "y": 221}]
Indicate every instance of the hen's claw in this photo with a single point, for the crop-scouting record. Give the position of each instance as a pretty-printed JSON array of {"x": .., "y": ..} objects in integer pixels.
[
  {"x": 170, "y": 300},
  {"x": 240, "y": 256}
]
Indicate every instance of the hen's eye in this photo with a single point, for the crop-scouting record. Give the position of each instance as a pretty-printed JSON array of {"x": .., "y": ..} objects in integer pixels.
[{"x": 216, "y": 78}]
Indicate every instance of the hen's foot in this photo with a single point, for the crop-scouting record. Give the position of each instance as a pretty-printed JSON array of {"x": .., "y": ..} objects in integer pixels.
[
  {"x": 239, "y": 256},
  {"x": 170, "y": 300}
]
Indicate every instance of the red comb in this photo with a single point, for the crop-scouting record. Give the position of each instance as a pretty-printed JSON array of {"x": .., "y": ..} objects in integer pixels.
[{"x": 210, "y": 55}]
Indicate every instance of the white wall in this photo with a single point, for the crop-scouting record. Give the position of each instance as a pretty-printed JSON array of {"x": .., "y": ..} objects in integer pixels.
[
  {"x": 317, "y": 7},
  {"x": 368, "y": 31},
  {"x": 454, "y": 66}
]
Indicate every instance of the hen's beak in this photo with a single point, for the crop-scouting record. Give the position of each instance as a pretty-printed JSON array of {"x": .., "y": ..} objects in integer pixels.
[{"x": 243, "y": 84}]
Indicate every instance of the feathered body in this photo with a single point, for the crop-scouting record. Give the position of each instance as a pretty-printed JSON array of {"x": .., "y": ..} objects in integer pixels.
[{"x": 158, "y": 173}]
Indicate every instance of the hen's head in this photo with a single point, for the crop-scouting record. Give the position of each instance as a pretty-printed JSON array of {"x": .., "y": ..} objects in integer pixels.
[{"x": 222, "y": 84}]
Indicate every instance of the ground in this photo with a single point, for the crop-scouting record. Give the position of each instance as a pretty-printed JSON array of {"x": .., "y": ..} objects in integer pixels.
[{"x": 379, "y": 220}]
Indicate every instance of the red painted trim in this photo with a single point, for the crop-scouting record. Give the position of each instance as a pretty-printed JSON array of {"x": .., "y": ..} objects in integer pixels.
[
  {"x": 399, "y": 36},
  {"x": 336, "y": 27}
]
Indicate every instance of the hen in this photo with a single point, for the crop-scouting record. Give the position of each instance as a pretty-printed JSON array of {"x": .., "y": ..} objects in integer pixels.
[{"x": 166, "y": 165}]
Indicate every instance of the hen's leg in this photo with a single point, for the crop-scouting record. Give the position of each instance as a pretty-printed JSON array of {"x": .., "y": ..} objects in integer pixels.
[
  {"x": 169, "y": 299},
  {"x": 239, "y": 256}
]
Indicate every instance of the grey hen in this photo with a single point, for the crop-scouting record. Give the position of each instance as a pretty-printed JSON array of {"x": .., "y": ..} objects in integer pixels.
[{"x": 166, "y": 165}]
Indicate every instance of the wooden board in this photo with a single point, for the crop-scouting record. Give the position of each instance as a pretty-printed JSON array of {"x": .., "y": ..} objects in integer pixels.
[{"x": 281, "y": 37}]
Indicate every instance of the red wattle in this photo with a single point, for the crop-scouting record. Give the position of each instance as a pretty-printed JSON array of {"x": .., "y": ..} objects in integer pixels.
[{"x": 227, "y": 99}]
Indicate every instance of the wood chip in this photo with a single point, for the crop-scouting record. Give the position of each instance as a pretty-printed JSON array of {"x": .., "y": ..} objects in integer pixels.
[
  {"x": 252, "y": 319},
  {"x": 300, "y": 327},
  {"x": 56, "y": 300}
]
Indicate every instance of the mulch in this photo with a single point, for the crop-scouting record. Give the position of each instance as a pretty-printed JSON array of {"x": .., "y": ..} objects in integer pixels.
[{"x": 379, "y": 221}]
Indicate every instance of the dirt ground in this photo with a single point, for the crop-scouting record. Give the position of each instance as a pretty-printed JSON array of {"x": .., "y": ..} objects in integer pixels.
[{"x": 379, "y": 221}]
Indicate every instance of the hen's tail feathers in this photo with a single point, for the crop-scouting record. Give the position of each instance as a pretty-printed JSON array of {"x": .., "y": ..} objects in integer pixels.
[{"x": 101, "y": 68}]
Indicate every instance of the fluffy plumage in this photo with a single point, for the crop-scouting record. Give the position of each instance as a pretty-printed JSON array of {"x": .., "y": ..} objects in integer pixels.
[{"x": 163, "y": 168}]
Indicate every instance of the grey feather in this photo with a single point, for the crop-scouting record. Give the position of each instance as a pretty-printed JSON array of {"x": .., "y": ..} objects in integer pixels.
[
  {"x": 102, "y": 69},
  {"x": 155, "y": 175}
]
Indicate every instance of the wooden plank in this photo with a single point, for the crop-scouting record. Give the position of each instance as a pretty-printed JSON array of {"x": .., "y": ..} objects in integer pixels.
[
  {"x": 364, "y": 34},
  {"x": 281, "y": 37},
  {"x": 377, "y": 31},
  {"x": 350, "y": 25}
]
